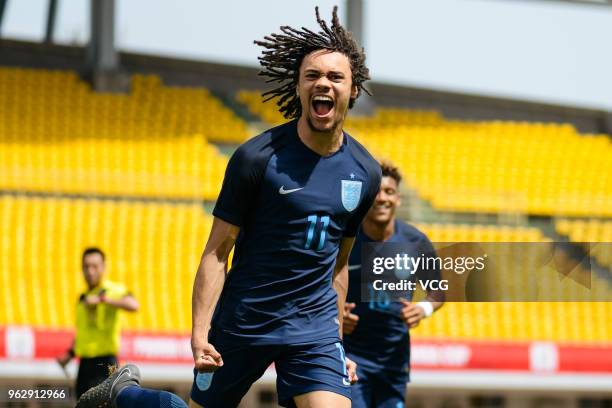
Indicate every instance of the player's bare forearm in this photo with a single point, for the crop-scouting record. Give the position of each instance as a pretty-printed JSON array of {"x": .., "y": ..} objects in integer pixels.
[
  {"x": 210, "y": 276},
  {"x": 341, "y": 287},
  {"x": 206, "y": 291},
  {"x": 341, "y": 276}
]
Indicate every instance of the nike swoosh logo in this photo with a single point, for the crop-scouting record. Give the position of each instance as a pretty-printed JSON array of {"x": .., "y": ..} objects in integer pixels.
[
  {"x": 346, "y": 382},
  {"x": 283, "y": 191},
  {"x": 123, "y": 370}
]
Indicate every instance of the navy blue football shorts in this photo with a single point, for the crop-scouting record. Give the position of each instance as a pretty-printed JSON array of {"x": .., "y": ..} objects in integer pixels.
[
  {"x": 378, "y": 388},
  {"x": 300, "y": 369}
]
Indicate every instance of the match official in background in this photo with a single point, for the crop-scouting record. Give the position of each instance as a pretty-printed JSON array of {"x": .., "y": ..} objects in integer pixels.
[
  {"x": 97, "y": 323},
  {"x": 376, "y": 332}
]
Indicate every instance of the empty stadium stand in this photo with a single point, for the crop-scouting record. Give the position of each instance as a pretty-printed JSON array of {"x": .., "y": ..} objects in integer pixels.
[
  {"x": 502, "y": 167},
  {"x": 56, "y": 135}
]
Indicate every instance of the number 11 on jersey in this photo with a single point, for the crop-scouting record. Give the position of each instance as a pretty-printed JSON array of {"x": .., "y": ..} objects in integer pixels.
[{"x": 312, "y": 222}]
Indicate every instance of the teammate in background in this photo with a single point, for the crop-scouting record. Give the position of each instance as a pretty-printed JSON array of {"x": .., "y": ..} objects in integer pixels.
[
  {"x": 376, "y": 332},
  {"x": 291, "y": 203},
  {"x": 97, "y": 323}
]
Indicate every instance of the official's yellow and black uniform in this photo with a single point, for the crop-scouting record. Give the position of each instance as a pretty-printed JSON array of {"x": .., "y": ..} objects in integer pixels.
[{"x": 97, "y": 335}]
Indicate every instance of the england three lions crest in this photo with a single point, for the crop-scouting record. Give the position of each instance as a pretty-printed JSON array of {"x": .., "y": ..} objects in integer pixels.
[{"x": 351, "y": 193}]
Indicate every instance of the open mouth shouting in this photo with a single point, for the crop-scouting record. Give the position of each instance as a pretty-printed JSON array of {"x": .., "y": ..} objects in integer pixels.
[{"x": 322, "y": 106}]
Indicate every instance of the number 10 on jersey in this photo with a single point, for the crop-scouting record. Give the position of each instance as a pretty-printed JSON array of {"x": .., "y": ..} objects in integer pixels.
[{"x": 313, "y": 220}]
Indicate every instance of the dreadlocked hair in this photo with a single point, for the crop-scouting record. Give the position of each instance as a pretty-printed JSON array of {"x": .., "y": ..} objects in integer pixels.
[{"x": 285, "y": 52}]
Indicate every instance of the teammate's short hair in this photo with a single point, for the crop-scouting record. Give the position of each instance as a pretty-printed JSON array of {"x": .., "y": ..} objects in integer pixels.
[
  {"x": 390, "y": 170},
  {"x": 285, "y": 52},
  {"x": 93, "y": 250}
]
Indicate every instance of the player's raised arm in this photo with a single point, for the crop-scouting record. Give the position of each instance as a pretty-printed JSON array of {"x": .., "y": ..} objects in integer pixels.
[{"x": 206, "y": 291}]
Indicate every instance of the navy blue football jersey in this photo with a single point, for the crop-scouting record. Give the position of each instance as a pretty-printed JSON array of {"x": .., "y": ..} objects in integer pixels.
[
  {"x": 381, "y": 340},
  {"x": 293, "y": 208}
]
